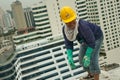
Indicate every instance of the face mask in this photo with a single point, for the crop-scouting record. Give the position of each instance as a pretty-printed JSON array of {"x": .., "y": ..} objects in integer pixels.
[{"x": 71, "y": 33}]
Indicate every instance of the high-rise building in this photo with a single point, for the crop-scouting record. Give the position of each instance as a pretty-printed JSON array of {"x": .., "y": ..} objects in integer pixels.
[
  {"x": 106, "y": 13},
  {"x": 41, "y": 18},
  {"x": 29, "y": 17},
  {"x": 46, "y": 60},
  {"x": 8, "y": 21},
  {"x": 7, "y": 55},
  {"x": 2, "y": 25},
  {"x": 18, "y": 15}
]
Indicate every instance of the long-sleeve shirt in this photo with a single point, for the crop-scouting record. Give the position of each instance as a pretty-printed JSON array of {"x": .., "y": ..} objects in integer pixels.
[{"x": 87, "y": 33}]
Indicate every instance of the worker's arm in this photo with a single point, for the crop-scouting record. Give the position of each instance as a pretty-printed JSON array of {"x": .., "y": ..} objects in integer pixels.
[
  {"x": 90, "y": 41},
  {"x": 70, "y": 58},
  {"x": 69, "y": 47},
  {"x": 86, "y": 59}
]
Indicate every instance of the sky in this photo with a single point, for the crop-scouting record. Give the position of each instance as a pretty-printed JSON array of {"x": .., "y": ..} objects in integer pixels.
[{"x": 6, "y": 4}]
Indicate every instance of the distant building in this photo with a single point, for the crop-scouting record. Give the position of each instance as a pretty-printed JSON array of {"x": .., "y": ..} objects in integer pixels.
[
  {"x": 1, "y": 31},
  {"x": 2, "y": 25},
  {"x": 41, "y": 19},
  {"x": 10, "y": 12},
  {"x": 29, "y": 17},
  {"x": 18, "y": 15},
  {"x": 9, "y": 25},
  {"x": 81, "y": 9},
  {"x": 6, "y": 22}
]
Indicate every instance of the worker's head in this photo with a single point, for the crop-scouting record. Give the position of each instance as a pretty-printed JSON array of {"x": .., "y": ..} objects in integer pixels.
[{"x": 68, "y": 16}]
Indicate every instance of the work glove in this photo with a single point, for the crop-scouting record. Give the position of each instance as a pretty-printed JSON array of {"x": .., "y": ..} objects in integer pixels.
[
  {"x": 86, "y": 58},
  {"x": 70, "y": 59}
]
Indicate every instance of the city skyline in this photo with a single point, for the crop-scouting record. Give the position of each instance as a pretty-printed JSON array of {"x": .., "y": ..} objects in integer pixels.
[
  {"x": 44, "y": 58},
  {"x": 6, "y": 4}
]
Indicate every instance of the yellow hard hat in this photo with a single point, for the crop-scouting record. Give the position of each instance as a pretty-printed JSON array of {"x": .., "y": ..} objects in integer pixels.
[{"x": 67, "y": 14}]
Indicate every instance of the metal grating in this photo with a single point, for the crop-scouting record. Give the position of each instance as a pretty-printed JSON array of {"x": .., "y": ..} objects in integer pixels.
[{"x": 49, "y": 64}]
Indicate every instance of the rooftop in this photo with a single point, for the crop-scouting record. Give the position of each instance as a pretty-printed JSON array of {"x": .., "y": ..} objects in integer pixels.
[{"x": 113, "y": 74}]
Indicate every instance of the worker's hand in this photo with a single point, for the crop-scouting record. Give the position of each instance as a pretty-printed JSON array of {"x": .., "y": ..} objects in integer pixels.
[
  {"x": 70, "y": 59},
  {"x": 86, "y": 58},
  {"x": 86, "y": 61},
  {"x": 71, "y": 63}
]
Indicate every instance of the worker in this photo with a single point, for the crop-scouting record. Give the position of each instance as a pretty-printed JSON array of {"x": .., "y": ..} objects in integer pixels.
[{"x": 90, "y": 37}]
